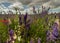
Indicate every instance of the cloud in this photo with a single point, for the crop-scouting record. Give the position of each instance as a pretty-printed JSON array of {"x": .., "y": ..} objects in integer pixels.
[
  {"x": 13, "y": 1},
  {"x": 37, "y": 2},
  {"x": 50, "y": 3},
  {"x": 10, "y": 1},
  {"x": 57, "y": 10},
  {"x": 26, "y": 2},
  {"x": 55, "y": 3},
  {"x": 20, "y": 4},
  {"x": 30, "y": 10},
  {"x": 17, "y": 5},
  {"x": 2, "y": 6}
]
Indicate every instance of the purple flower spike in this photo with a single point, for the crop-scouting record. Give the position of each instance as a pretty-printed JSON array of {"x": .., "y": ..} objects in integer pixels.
[
  {"x": 39, "y": 40},
  {"x": 55, "y": 30},
  {"x": 27, "y": 23},
  {"x": 25, "y": 18},
  {"x": 11, "y": 32}
]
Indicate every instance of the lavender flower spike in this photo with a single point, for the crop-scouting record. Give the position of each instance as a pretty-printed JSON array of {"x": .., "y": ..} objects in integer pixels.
[
  {"x": 25, "y": 18},
  {"x": 11, "y": 32},
  {"x": 55, "y": 30}
]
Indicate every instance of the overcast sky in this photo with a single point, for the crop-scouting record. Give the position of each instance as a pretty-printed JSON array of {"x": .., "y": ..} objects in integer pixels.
[
  {"x": 54, "y": 3},
  {"x": 23, "y": 3}
]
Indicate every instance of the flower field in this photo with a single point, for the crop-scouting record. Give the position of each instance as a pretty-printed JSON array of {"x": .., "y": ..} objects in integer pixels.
[{"x": 23, "y": 29}]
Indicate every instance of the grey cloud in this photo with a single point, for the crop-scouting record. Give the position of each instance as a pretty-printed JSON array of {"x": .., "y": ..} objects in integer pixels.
[
  {"x": 52, "y": 3},
  {"x": 38, "y": 2},
  {"x": 13, "y": 1},
  {"x": 10, "y": 1},
  {"x": 26, "y": 1},
  {"x": 55, "y": 3}
]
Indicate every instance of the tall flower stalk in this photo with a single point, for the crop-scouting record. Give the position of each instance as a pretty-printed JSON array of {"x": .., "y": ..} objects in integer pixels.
[{"x": 26, "y": 27}]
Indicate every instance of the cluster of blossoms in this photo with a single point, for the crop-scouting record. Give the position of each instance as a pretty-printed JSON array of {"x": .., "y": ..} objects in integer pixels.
[
  {"x": 53, "y": 34},
  {"x": 12, "y": 36}
]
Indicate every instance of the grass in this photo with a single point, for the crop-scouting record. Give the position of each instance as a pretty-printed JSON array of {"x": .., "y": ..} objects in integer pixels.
[{"x": 38, "y": 29}]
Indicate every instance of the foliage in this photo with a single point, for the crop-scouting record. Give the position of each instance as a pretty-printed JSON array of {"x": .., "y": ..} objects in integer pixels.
[{"x": 38, "y": 28}]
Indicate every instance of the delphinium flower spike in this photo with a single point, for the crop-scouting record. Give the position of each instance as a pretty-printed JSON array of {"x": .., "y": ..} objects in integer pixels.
[
  {"x": 27, "y": 22},
  {"x": 55, "y": 30},
  {"x": 25, "y": 18},
  {"x": 11, "y": 32},
  {"x": 53, "y": 34}
]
